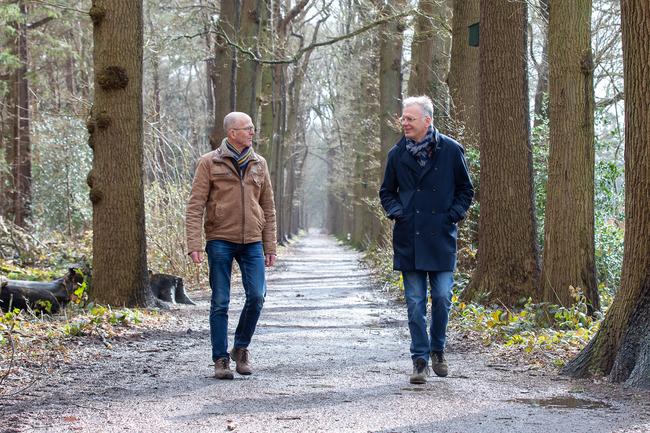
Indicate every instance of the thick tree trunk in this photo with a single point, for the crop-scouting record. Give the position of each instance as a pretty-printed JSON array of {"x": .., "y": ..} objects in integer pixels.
[
  {"x": 224, "y": 71},
  {"x": 247, "y": 68},
  {"x": 430, "y": 58},
  {"x": 508, "y": 263},
  {"x": 426, "y": 34},
  {"x": 116, "y": 136},
  {"x": 569, "y": 225},
  {"x": 463, "y": 78},
  {"x": 621, "y": 348},
  {"x": 390, "y": 79}
]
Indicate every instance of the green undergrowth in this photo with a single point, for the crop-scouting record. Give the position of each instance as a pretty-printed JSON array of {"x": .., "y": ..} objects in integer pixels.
[
  {"x": 32, "y": 337},
  {"x": 539, "y": 331},
  {"x": 20, "y": 326}
]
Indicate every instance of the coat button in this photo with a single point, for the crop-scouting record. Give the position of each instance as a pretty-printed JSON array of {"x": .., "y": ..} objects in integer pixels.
[
  {"x": 417, "y": 233},
  {"x": 435, "y": 168},
  {"x": 433, "y": 211},
  {"x": 417, "y": 211},
  {"x": 434, "y": 190},
  {"x": 419, "y": 189}
]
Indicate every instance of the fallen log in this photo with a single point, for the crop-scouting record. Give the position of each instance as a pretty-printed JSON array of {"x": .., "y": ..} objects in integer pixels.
[{"x": 50, "y": 297}]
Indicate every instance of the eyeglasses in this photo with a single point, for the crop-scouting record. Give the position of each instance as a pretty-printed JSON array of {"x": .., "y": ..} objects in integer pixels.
[
  {"x": 410, "y": 119},
  {"x": 247, "y": 129}
]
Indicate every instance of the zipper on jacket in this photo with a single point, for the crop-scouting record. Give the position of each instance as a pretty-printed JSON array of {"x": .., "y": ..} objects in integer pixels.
[{"x": 243, "y": 208}]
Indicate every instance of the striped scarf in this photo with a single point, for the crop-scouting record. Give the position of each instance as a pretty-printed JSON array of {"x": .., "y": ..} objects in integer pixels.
[
  {"x": 242, "y": 158},
  {"x": 422, "y": 150}
]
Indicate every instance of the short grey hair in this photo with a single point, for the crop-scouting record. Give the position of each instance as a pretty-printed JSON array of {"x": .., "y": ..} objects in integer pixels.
[
  {"x": 231, "y": 118},
  {"x": 424, "y": 102}
]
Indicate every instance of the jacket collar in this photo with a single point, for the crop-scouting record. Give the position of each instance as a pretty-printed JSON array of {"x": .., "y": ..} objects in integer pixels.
[
  {"x": 223, "y": 152},
  {"x": 409, "y": 160}
]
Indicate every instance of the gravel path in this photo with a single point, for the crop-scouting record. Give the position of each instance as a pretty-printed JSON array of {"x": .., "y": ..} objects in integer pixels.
[{"x": 330, "y": 355}]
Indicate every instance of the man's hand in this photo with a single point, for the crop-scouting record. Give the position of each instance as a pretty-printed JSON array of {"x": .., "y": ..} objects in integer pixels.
[
  {"x": 196, "y": 256},
  {"x": 269, "y": 260}
]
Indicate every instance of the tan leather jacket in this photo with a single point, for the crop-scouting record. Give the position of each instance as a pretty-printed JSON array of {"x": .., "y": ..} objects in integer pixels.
[{"x": 231, "y": 208}]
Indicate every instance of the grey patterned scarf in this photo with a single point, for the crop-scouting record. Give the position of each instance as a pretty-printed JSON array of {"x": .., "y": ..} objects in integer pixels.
[{"x": 422, "y": 150}]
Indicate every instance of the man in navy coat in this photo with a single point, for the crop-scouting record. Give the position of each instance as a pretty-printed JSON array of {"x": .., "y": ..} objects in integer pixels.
[{"x": 427, "y": 191}]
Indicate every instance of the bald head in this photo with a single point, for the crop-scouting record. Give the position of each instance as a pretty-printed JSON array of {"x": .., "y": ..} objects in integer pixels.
[
  {"x": 234, "y": 119},
  {"x": 239, "y": 129}
]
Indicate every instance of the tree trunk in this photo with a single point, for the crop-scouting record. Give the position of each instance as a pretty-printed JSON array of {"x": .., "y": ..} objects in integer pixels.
[
  {"x": 116, "y": 136},
  {"x": 390, "y": 79},
  {"x": 430, "y": 58},
  {"x": 21, "y": 158},
  {"x": 569, "y": 225},
  {"x": 425, "y": 36},
  {"x": 508, "y": 263},
  {"x": 463, "y": 78},
  {"x": 266, "y": 101},
  {"x": 224, "y": 71},
  {"x": 247, "y": 68},
  {"x": 621, "y": 348}
]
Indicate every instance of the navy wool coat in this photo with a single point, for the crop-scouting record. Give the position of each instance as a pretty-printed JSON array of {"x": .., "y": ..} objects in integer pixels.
[{"x": 426, "y": 203}]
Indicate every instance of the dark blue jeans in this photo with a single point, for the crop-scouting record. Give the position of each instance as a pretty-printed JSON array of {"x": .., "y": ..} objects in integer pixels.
[
  {"x": 250, "y": 258},
  {"x": 415, "y": 292}
]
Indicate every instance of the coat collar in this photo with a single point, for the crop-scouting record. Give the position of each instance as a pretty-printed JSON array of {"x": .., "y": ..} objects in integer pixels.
[
  {"x": 409, "y": 160},
  {"x": 223, "y": 152}
]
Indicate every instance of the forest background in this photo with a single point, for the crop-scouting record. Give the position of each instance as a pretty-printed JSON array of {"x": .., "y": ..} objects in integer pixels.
[{"x": 535, "y": 94}]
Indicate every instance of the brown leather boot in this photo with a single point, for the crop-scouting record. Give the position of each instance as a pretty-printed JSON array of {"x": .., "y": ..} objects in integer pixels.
[
  {"x": 222, "y": 369},
  {"x": 439, "y": 364},
  {"x": 242, "y": 362}
]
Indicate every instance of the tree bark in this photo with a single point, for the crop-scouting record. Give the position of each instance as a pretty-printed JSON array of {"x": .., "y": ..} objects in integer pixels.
[
  {"x": 224, "y": 71},
  {"x": 508, "y": 262},
  {"x": 421, "y": 78},
  {"x": 21, "y": 158},
  {"x": 247, "y": 68},
  {"x": 621, "y": 347},
  {"x": 390, "y": 79},
  {"x": 463, "y": 78},
  {"x": 430, "y": 58},
  {"x": 116, "y": 136},
  {"x": 569, "y": 224}
]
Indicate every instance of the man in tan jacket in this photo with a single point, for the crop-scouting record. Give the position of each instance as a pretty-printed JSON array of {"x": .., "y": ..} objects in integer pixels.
[{"x": 233, "y": 199}]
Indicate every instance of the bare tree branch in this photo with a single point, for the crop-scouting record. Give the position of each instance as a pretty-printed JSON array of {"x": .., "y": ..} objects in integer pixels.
[{"x": 290, "y": 60}]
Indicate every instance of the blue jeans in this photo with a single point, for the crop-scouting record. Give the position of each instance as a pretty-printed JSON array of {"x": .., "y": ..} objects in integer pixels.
[
  {"x": 415, "y": 292},
  {"x": 250, "y": 258}
]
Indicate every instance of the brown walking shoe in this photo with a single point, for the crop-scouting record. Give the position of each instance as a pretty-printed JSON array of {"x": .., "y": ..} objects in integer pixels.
[
  {"x": 222, "y": 369},
  {"x": 420, "y": 372},
  {"x": 242, "y": 362},
  {"x": 439, "y": 364}
]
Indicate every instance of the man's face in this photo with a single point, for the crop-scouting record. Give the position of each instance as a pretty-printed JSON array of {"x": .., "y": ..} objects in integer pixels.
[
  {"x": 242, "y": 132},
  {"x": 414, "y": 122}
]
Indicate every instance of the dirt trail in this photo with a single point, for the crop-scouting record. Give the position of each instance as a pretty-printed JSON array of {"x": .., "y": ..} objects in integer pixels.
[{"x": 330, "y": 355}]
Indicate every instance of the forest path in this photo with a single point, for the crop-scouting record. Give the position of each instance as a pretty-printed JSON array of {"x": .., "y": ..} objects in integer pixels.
[{"x": 331, "y": 354}]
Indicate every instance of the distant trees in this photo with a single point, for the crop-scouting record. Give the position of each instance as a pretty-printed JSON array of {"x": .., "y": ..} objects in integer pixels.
[
  {"x": 17, "y": 136},
  {"x": 120, "y": 275}
]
